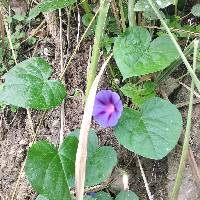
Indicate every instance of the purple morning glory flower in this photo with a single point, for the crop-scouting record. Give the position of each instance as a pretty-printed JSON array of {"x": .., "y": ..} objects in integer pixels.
[{"x": 107, "y": 108}]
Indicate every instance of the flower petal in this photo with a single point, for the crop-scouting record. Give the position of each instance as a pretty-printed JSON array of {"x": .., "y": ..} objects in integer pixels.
[
  {"x": 104, "y": 96},
  {"x": 102, "y": 119},
  {"x": 98, "y": 108},
  {"x": 115, "y": 97},
  {"x": 113, "y": 119},
  {"x": 119, "y": 107}
]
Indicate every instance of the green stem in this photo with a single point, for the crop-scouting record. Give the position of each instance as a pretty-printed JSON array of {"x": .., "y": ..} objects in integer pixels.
[
  {"x": 86, "y": 6},
  {"x": 123, "y": 20},
  {"x": 131, "y": 12},
  {"x": 187, "y": 64},
  {"x": 97, "y": 43},
  {"x": 184, "y": 155}
]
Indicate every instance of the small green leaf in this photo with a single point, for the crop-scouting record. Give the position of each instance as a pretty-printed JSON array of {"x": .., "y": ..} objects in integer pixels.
[
  {"x": 107, "y": 43},
  {"x": 49, "y": 5},
  {"x": 27, "y": 86},
  {"x": 127, "y": 195},
  {"x": 140, "y": 93},
  {"x": 196, "y": 10},
  {"x": 136, "y": 55},
  {"x": 87, "y": 18},
  {"x": 32, "y": 40},
  {"x": 152, "y": 132},
  {"x": 47, "y": 170}
]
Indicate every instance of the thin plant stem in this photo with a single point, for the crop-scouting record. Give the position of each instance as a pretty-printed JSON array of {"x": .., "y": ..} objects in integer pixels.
[
  {"x": 187, "y": 64},
  {"x": 123, "y": 20},
  {"x": 97, "y": 44},
  {"x": 184, "y": 155},
  {"x": 131, "y": 12},
  {"x": 10, "y": 42},
  {"x": 62, "y": 107},
  {"x": 145, "y": 180},
  {"x": 174, "y": 30}
]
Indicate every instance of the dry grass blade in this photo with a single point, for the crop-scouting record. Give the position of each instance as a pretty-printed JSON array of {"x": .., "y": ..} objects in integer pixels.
[
  {"x": 81, "y": 154},
  {"x": 150, "y": 196}
]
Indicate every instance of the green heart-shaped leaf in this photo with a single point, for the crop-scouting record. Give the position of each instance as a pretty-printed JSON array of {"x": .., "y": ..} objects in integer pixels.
[
  {"x": 49, "y": 5},
  {"x": 48, "y": 170},
  {"x": 100, "y": 162},
  {"x": 153, "y": 132},
  {"x": 92, "y": 141},
  {"x": 136, "y": 55},
  {"x": 100, "y": 165},
  {"x": 127, "y": 195},
  {"x": 27, "y": 85}
]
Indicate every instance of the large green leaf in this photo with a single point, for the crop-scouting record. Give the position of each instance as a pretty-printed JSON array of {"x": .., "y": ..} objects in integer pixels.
[
  {"x": 100, "y": 162},
  {"x": 27, "y": 85},
  {"x": 67, "y": 154},
  {"x": 100, "y": 165},
  {"x": 49, "y": 5},
  {"x": 127, "y": 195},
  {"x": 152, "y": 132},
  {"x": 48, "y": 170},
  {"x": 136, "y": 55},
  {"x": 92, "y": 141}
]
